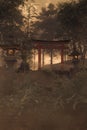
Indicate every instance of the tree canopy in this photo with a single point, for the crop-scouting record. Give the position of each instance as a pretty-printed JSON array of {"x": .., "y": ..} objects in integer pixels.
[
  {"x": 73, "y": 18},
  {"x": 10, "y": 19},
  {"x": 46, "y": 25},
  {"x": 67, "y": 20}
]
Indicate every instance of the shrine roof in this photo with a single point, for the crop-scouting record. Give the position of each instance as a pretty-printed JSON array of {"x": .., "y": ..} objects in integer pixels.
[{"x": 50, "y": 42}]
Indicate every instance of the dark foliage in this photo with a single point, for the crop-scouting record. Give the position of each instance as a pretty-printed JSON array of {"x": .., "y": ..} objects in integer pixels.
[
  {"x": 46, "y": 25},
  {"x": 10, "y": 20},
  {"x": 73, "y": 18}
]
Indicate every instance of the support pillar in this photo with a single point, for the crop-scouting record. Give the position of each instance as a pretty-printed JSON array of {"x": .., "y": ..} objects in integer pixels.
[
  {"x": 62, "y": 55},
  {"x": 51, "y": 57},
  {"x": 34, "y": 59},
  {"x": 43, "y": 58},
  {"x": 39, "y": 58}
]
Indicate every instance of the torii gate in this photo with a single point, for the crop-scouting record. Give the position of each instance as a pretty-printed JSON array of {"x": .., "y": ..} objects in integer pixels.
[{"x": 42, "y": 44}]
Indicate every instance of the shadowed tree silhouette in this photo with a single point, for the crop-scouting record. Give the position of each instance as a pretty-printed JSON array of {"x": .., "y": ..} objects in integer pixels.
[
  {"x": 69, "y": 19},
  {"x": 73, "y": 18},
  {"x": 10, "y": 20},
  {"x": 46, "y": 25}
]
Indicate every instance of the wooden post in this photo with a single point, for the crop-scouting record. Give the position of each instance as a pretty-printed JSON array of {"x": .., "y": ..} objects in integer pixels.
[
  {"x": 39, "y": 58},
  {"x": 34, "y": 59},
  {"x": 51, "y": 57},
  {"x": 62, "y": 51},
  {"x": 43, "y": 57}
]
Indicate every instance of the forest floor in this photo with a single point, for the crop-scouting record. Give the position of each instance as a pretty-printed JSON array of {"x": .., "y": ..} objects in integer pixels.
[{"x": 43, "y": 100}]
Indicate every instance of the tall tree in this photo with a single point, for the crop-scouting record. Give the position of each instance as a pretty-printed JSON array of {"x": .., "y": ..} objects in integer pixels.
[
  {"x": 29, "y": 12},
  {"x": 10, "y": 19},
  {"x": 82, "y": 7},
  {"x": 68, "y": 17},
  {"x": 46, "y": 25},
  {"x": 73, "y": 18}
]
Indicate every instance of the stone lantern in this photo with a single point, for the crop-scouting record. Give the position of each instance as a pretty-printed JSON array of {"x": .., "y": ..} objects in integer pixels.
[{"x": 75, "y": 56}]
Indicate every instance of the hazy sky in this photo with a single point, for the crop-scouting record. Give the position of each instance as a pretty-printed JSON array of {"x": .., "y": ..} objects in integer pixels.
[{"x": 46, "y": 2}]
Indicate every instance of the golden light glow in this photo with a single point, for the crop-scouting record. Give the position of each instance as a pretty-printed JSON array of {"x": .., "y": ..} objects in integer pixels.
[{"x": 10, "y": 52}]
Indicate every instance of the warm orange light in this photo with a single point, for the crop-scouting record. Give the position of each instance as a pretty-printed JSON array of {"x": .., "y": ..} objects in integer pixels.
[
  {"x": 76, "y": 57},
  {"x": 10, "y": 52}
]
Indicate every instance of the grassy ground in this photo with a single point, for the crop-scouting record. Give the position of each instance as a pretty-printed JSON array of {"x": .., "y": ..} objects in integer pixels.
[{"x": 43, "y": 100}]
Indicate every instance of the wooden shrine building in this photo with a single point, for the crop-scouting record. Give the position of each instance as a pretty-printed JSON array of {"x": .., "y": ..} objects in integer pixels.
[{"x": 60, "y": 45}]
